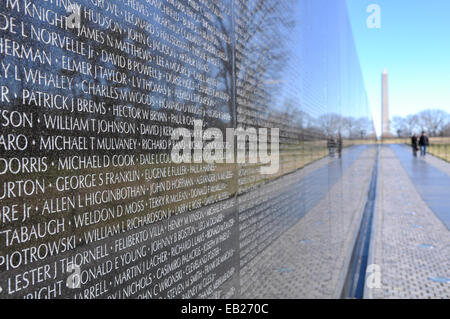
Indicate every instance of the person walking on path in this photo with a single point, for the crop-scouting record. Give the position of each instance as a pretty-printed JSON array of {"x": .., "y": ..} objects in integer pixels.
[
  {"x": 339, "y": 145},
  {"x": 331, "y": 144},
  {"x": 423, "y": 143},
  {"x": 414, "y": 144}
]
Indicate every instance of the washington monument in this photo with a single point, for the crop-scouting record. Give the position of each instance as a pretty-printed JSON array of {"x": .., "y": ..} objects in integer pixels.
[{"x": 385, "y": 124}]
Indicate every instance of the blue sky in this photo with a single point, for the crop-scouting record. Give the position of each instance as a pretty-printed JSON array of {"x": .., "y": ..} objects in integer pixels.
[{"x": 413, "y": 43}]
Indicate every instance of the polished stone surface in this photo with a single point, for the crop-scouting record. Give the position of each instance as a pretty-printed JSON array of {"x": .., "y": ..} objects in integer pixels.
[{"x": 92, "y": 202}]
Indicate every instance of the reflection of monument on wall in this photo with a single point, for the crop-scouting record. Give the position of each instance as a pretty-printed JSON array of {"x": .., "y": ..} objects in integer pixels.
[{"x": 385, "y": 123}]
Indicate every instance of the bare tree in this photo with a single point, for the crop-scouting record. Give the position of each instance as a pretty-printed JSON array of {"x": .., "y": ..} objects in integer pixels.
[
  {"x": 433, "y": 121},
  {"x": 412, "y": 124},
  {"x": 401, "y": 126},
  {"x": 363, "y": 127},
  {"x": 349, "y": 124},
  {"x": 330, "y": 124},
  {"x": 446, "y": 130}
]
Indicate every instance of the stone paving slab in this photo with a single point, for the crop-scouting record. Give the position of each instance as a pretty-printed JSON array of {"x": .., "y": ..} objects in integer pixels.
[
  {"x": 310, "y": 260},
  {"x": 432, "y": 183},
  {"x": 410, "y": 244}
]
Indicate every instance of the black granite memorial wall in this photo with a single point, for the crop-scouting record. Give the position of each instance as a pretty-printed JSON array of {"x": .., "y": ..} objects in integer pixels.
[{"x": 92, "y": 204}]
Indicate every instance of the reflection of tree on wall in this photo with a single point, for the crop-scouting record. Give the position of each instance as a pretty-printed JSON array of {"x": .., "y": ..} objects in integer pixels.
[
  {"x": 349, "y": 127},
  {"x": 261, "y": 27},
  {"x": 223, "y": 74},
  {"x": 331, "y": 124}
]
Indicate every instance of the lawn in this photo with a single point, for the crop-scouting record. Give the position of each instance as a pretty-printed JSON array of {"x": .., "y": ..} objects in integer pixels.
[{"x": 440, "y": 147}]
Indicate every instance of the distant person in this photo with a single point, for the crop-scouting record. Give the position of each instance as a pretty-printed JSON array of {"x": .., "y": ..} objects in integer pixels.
[
  {"x": 415, "y": 144},
  {"x": 331, "y": 144},
  {"x": 339, "y": 145},
  {"x": 423, "y": 143}
]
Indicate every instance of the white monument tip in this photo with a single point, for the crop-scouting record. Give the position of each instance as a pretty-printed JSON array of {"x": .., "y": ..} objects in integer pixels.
[{"x": 385, "y": 71}]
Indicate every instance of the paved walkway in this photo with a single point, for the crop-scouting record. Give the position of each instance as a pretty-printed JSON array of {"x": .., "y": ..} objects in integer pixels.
[
  {"x": 311, "y": 258},
  {"x": 410, "y": 240},
  {"x": 432, "y": 183},
  {"x": 410, "y": 245}
]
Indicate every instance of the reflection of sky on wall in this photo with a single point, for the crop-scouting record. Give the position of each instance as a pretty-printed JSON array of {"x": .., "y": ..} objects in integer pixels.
[{"x": 323, "y": 74}]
